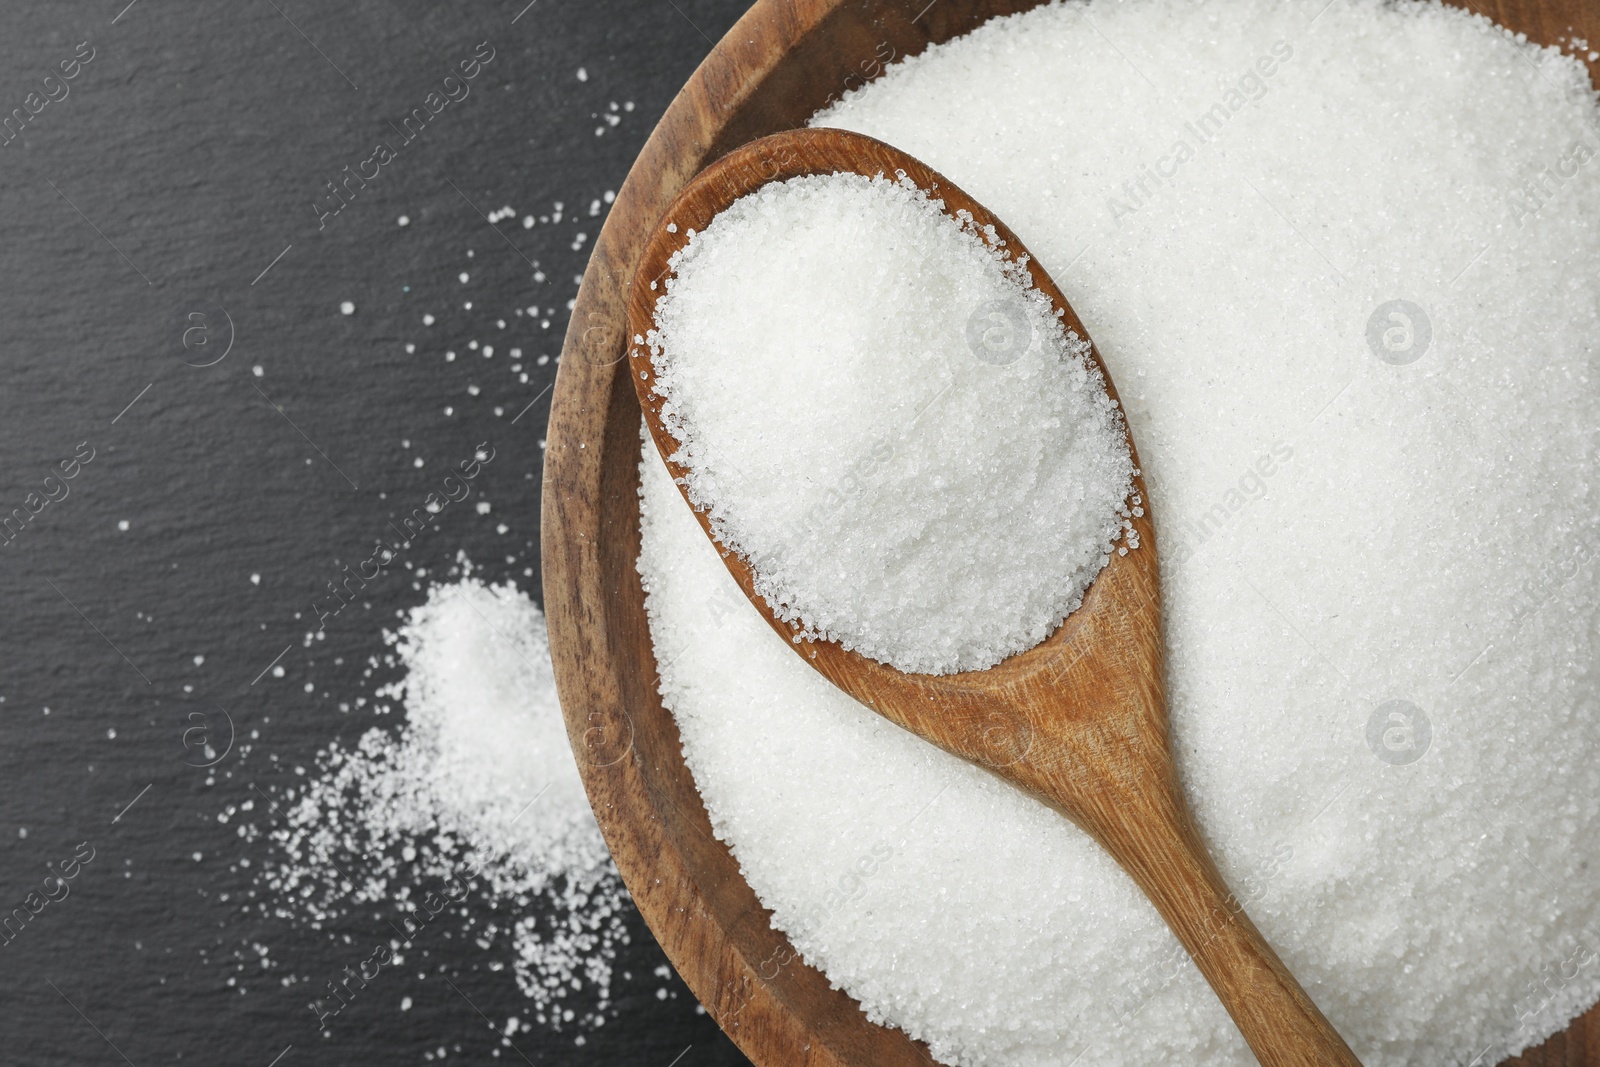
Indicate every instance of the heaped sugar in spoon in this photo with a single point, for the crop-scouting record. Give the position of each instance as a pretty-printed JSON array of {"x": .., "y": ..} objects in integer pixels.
[{"x": 896, "y": 430}]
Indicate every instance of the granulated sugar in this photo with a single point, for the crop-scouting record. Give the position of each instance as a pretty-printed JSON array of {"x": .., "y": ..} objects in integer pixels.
[
  {"x": 889, "y": 422},
  {"x": 1341, "y": 261},
  {"x": 479, "y": 786}
]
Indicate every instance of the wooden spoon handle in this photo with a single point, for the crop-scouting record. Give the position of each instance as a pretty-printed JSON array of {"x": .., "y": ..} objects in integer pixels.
[{"x": 1164, "y": 854}]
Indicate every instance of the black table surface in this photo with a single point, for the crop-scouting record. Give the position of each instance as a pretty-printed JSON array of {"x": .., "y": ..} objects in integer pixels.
[{"x": 182, "y": 172}]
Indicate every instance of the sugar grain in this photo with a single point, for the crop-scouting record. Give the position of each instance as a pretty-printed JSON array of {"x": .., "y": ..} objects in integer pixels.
[
  {"x": 1343, "y": 263},
  {"x": 889, "y": 422}
]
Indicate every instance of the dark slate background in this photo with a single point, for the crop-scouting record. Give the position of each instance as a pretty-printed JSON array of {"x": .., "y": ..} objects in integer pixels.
[{"x": 184, "y": 161}]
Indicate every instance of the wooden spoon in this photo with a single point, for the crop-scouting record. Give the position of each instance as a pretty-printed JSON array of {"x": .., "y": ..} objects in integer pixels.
[{"x": 1080, "y": 720}]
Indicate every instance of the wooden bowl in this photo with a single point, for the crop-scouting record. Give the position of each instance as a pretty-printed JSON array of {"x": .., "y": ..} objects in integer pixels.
[{"x": 780, "y": 63}]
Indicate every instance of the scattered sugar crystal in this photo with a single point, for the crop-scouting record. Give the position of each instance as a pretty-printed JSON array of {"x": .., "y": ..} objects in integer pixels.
[
  {"x": 1236, "y": 191},
  {"x": 480, "y": 778},
  {"x": 888, "y": 421}
]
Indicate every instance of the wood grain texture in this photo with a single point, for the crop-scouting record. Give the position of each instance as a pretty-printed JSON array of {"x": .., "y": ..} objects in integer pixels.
[
  {"x": 1080, "y": 720},
  {"x": 781, "y": 62}
]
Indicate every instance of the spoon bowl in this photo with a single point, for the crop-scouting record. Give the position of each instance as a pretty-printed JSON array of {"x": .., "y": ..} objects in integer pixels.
[{"x": 1080, "y": 720}]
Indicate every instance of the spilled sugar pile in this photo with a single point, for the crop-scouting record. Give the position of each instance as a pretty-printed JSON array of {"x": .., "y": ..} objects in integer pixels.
[
  {"x": 1341, "y": 261},
  {"x": 843, "y": 446},
  {"x": 479, "y": 786}
]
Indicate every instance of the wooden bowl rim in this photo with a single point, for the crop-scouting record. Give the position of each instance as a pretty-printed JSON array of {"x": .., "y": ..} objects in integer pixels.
[{"x": 791, "y": 1015}]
